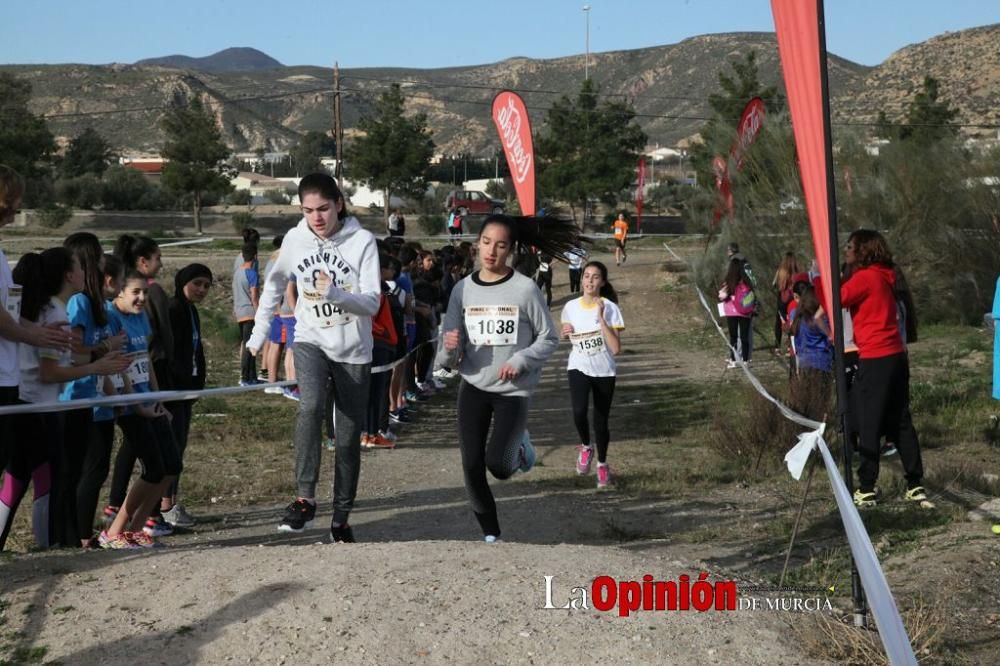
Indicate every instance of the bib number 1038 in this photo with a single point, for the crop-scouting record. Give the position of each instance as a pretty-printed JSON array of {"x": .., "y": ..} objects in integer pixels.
[{"x": 492, "y": 325}]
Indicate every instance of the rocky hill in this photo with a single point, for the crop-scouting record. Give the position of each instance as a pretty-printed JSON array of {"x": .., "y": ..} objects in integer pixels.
[{"x": 669, "y": 85}]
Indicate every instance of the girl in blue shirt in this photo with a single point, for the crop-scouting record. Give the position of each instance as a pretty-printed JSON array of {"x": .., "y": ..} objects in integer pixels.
[{"x": 145, "y": 426}]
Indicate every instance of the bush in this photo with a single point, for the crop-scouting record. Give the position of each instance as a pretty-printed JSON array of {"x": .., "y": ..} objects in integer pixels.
[
  {"x": 241, "y": 221},
  {"x": 55, "y": 216},
  {"x": 277, "y": 196},
  {"x": 432, "y": 224},
  {"x": 239, "y": 198}
]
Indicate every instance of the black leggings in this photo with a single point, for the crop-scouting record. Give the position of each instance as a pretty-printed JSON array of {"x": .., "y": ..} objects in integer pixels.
[
  {"x": 151, "y": 442},
  {"x": 96, "y": 464},
  {"x": 180, "y": 424},
  {"x": 574, "y": 280},
  {"x": 378, "y": 390},
  {"x": 739, "y": 336},
  {"x": 248, "y": 362},
  {"x": 882, "y": 389},
  {"x": 497, "y": 451},
  {"x": 544, "y": 282},
  {"x": 580, "y": 387}
]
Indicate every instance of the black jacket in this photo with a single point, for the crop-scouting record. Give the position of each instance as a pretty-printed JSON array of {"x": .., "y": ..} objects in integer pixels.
[{"x": 187, "y": 367}]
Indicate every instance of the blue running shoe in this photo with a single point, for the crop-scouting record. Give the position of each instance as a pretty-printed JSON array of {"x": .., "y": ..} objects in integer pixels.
[{"x": 528, "y": 456}]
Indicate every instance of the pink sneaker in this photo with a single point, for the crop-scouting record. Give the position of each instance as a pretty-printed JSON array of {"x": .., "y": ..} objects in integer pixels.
[
  {"x": 585, "y": 455},
  {"x": 603, "y": 476}
]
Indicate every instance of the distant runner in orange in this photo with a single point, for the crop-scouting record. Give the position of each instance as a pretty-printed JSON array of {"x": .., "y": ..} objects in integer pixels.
[{"x": 620, "y": 228}]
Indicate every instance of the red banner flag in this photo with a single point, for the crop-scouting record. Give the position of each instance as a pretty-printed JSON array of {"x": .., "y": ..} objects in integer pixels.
[
  {"x": 720, "y": 167},
  {"x": 798, "y": 45},
  {"x": 640, "y": 194},
  {"x": 511, "y": 120},
  {"x": 746, "y": 132}
]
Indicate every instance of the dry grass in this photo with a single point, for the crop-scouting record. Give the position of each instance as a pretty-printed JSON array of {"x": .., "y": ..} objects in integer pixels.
[{"x": 825, "y": 636}]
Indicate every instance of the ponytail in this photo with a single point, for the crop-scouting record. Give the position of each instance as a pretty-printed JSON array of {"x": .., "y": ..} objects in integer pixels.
[
  {"x": 41, "y": 277},
  {"x": 554, "y": 236},
  {"x": 129, "y": 249},
  {"x": 90, "y": 255}
]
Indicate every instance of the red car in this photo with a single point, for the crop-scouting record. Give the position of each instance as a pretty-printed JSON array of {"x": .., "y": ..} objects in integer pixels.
[{"x": 470, "y": 202}]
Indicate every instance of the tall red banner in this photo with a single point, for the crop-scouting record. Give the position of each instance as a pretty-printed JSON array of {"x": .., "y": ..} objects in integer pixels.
[
  {"x": 795, "y": 23},
  {"x": 640, "y": 194},
  {"x": 511, "y": 120}
]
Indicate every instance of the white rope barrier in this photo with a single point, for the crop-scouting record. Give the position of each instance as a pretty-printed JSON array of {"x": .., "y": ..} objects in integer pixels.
[{"x": 168, "y": 396}]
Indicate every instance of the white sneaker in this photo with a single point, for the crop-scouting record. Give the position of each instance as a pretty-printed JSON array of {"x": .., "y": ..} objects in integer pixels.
[
  {"x": 489, "y": 538},
  {"x": 274, "y": 390},
  {"x": 731, "y": 364}
]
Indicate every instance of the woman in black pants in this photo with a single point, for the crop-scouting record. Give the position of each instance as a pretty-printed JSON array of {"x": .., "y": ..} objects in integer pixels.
[
  {"x": 882, "y": 384},
  {"x": 593, "y": 324}
]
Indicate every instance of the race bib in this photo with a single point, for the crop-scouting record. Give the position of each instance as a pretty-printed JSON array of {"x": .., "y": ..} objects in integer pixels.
[
  {"x": 492, "y": 325},
  {"x": 13, "y": 302},
  {"x": 138, "y": 370},
  {"x": 117, "y": 382},
  {"x": 588, "y": 343},
  {"x": 321, "y": 313}
]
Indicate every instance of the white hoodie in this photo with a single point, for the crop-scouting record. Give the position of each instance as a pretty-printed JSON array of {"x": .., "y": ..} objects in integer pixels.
[{"x": 339, "y": 321}]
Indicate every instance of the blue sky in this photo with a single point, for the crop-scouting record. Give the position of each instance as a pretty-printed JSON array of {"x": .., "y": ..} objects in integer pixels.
[{"x": 441, "y": 33}]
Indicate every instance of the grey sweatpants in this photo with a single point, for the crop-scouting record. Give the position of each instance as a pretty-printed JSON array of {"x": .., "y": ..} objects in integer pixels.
[{"x": 315, "y": 374}]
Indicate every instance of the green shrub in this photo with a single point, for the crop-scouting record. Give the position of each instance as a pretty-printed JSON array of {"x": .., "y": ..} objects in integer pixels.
[
  {"x": 54, "y": 216},
  {"x": 242, "y": 220},
  {"x": 432, "y": 224}
]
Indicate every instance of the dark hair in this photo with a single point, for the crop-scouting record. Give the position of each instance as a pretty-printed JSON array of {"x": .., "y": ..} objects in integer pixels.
[
  {"x": 734, "y": 275},
  {"x": 132, "y": 274},
  {"x": 806, "y": 309},
  {"x": 407, "y": 255},
  {"x": 251, "y": 235},
  {"x": 733, "y": 248},
  {"x": 553, "y": 236},
  {"x": 42, "y": 277},
  {"x": 325, "y": 186},
  {"x": 278, "y": 240},
  {"x": 392, "y": 263},
  {"x": 90, "y": 255},
  {"x": 130, "y": 249},
  {"x": 870, "y": 248},
  {"x": 112, "y": 268},
  {"x": 249, "y": 251},
  {"x": 607, "y": 291}
]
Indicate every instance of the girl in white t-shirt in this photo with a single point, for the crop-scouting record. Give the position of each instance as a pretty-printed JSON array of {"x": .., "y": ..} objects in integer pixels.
[
  {"x": 49, "y": 280},
  {"x": 593, "y": 324}
]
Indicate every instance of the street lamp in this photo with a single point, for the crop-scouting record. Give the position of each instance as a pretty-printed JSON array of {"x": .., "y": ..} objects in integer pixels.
[{"x": 586, "y": 63}]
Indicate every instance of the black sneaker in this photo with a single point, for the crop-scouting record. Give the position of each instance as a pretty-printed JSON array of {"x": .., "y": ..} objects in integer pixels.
[
  {"x": 298, "y": 516},
  {"x": 342, "y": 534}
]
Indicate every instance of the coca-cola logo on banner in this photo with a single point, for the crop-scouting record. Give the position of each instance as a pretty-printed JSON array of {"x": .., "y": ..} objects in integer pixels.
[
  {"x": 511, "y": 120},
  {"x": 748, "y": 129}
]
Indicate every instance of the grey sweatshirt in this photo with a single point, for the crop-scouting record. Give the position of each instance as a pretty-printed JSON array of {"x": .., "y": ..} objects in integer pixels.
[{"x": 489, "y": 309}]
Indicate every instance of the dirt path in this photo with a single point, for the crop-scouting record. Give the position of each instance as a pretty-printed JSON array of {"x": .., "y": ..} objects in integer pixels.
[{"x": 422, "y": 587}]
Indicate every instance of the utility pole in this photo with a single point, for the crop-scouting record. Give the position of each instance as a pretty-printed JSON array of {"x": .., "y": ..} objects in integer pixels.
[
  {"x": 338, "y": 127},
  {"x": 586, "y": 62}
]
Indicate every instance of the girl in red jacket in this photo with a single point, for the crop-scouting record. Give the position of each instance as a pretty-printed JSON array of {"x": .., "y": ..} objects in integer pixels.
[{"x": 882, "y": 384}]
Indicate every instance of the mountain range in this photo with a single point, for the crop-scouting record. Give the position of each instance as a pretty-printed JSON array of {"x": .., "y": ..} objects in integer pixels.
[{"x": 262, "y": 104}]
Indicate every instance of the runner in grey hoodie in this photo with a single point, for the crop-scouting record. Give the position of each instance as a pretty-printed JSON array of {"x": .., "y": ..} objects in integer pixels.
[
  {"x": 336, "y": 267},
  {"x": 498, "y": 333}
]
